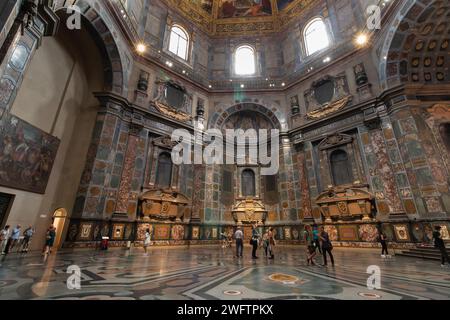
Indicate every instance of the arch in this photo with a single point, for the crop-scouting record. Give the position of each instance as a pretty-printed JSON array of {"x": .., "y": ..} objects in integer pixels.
[
  {"x": 245, "y": 60},
  {"x": 316, "y": 36},
  {"x": 93, "y": 19},
  {"x": 248, "y": 183},
  {"x": 59, "y": 221},
  {"x": 416, "y": 44},
  {"x": 218, "y": 119},
  {"x": 179, "y": 41},
  {"x": 340, "y": 167},
  {"x": 164, "y": 170}
]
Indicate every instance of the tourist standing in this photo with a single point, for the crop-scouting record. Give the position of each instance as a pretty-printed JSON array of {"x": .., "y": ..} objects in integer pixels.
[
  {"x": 265, "y": 242},
  {"x": 440, "y": 244},
  {"x": 255, "y": 238},
  {"x": 384, "y": 247},
  {"x": 27, "y": 235},
  {"x": 239, "y": 236},
  {"x": 316, "y": 241},
  {"x": 326, "y": 247},
  {"x": 49, "y": 239},
  {"x": 14, "y": 239},
  {"x": 4, "y": 237},
  {"x": 147, "y": 241},
  {"x": 271, "y": 236},
  {"x": 310, "y": 247}
]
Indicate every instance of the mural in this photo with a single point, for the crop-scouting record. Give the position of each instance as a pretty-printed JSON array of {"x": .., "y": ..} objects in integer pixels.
[
  {"x": 206, "y": 5},
  {"x": 27, "y": 155},
  {"x": 282, "y": 4},
  {"x": 244, "y": 8}
]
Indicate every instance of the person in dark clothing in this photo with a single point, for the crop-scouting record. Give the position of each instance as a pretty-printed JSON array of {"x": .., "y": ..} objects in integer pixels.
[
  {"x": 326, "y": 246},
  {"x": 255, "y": 237},
  {"x": 440, "y": 244},
  {"x": 384, "y": 248}
]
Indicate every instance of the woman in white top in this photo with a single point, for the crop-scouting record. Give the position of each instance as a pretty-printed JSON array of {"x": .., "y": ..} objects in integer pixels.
[{"x": 146, "y": 241}]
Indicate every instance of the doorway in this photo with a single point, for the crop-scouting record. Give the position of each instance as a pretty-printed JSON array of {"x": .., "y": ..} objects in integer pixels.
[
  {"x": 59, "y": 221},
  {"x": 6, "y": 201}
]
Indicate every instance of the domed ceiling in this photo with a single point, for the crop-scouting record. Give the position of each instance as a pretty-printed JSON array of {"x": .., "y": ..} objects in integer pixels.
[{"x": 240, "y": 17}]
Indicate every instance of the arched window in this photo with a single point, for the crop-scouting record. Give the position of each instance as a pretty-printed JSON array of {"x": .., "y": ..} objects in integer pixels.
[
  {"x": 316, "y": 36},
  {"x": 244, "y": 61},
  {"x": 179, "y": 42},
  {"x": 341, "y": 168},
  {"x": 444, "y": 130},
  {"x": 248, "y": 183},
  {"x": 164, "y": 171}
]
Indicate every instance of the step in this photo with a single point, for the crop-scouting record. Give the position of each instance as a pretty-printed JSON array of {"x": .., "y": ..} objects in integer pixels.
[{"x": 412, "y": 255}]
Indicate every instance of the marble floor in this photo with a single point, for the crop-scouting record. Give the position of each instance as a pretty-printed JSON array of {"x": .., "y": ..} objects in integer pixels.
[{"x": 211, "y": 272}]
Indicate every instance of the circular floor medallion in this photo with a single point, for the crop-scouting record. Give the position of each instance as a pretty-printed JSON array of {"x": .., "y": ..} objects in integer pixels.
[
  {"x": 369, "y": 295},
  {"x": 283, "y": 278},
  {"x": 232, "y": 293}
]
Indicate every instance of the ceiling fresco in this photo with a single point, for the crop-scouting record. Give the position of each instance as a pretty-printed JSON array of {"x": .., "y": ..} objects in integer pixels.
[{"x": 239, "y": 17}]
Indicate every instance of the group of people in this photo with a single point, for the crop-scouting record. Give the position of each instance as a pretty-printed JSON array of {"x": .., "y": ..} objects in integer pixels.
[
  {"x": 267, "y": 241},
  {"x": 317, "y": 241},
  {"x": 11, "y": 239}
]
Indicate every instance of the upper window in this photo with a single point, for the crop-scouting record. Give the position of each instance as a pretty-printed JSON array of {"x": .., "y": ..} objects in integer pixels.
[
  {"x": 179, "y": 42},
  {"x": 244, "y": 61},
  {"x": 248, "y": 183},
  {"x": 316, "y": 36}
]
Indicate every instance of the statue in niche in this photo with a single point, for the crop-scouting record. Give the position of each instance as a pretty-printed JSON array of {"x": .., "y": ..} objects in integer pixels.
[
  {"x": 295, "y": 108},
  {"x": 340, "y": 87},
  {"x": 360, "y": 74}
]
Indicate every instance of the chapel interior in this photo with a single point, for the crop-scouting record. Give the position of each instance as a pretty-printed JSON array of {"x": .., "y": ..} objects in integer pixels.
[{"x": 91, "y": 92}]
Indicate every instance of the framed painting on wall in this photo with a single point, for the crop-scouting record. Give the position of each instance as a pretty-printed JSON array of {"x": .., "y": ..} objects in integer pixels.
[
  {"x": 444, "y": 230},
  {"x": 117, "y": 233},
  {"x": 195, "y": 232},
  {"x": 401, "y": 232},
  {"x": 85, "y": 231},
  {"x": 287, "y": 233},
  {"x": 28, "y": 155}
]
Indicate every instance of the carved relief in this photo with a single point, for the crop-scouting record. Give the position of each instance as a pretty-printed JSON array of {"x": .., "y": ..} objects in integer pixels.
[
  {"x": 161, "y": 101},
  {"x": 327, "y": 95}
]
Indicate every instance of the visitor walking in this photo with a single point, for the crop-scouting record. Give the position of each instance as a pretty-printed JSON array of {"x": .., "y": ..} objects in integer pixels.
[
  {"x": 4, "y": 237},
  {"x": 239, "y": 236},
  {"x": 440, "y": 244},
  {"x": 265, "y": 242},
  {"x": 147, "y": 241},
  {"x": 327, "y": 247},
  {"x": 384, "y": 245},
  {"x": 27, "y": 235},
  {"x": 254, "y": 241},
  {"x": 49, "y": 239},
  {"x": 316, "y": 241},
  {"x": 14, "y": 239},
  {"x": 271, "y": 236},
  {"x": 310, "y": 247}
]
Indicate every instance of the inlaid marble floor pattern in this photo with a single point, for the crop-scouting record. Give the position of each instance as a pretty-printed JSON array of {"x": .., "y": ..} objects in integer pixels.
[{"x": 211, "y": 272}]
